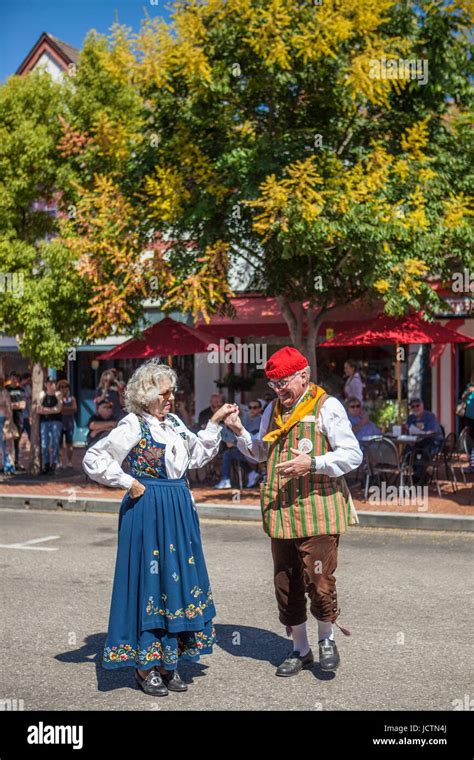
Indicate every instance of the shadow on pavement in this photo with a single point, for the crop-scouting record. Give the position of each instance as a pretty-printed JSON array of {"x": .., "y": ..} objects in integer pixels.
[{"x": 236, "y": 640}]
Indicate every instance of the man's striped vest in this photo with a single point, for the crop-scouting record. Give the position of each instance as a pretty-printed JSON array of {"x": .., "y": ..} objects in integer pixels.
[{"x": 309, "y": 505}]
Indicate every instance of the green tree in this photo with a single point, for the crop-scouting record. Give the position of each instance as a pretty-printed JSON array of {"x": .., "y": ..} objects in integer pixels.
[
  {"x": 43, "y": 296},
  {"x": 278, "y": 142}
]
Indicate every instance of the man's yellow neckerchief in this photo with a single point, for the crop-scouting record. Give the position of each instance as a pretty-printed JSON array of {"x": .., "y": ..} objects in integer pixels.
[{"x": 300, "y": 411}]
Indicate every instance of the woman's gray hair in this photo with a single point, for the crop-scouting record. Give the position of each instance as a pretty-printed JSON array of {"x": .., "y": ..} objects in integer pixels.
[{"x": 146, "y": 383}]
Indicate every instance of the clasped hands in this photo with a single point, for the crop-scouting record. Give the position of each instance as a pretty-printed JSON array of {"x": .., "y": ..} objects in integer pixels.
[{"x": 293, "y": 468}]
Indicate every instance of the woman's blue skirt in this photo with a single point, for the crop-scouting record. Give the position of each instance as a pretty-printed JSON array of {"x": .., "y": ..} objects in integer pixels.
[{"x": 162, "y": 607}]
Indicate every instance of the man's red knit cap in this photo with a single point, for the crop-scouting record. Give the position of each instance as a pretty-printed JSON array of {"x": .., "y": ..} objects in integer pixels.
[{"x": 284, "y": 362}]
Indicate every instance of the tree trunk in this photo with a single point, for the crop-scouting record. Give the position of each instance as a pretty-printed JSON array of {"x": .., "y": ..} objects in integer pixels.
[
  {"x": 296, "y": 321},
  {"x": 37, "y": 381}
]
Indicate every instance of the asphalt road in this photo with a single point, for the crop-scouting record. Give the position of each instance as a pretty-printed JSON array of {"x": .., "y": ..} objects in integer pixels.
[{"x": 405, "y": 595}]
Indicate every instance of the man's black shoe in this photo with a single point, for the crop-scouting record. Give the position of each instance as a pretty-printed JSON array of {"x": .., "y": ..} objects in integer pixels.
[
  {"x": 328, "y": 655},
  {"x": 294, "y": 663},
  {"x": 152, "y": 684}
]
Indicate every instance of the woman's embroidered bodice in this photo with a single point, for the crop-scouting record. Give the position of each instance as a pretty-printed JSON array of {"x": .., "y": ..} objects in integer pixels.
[{"x": 147, "y": 457}]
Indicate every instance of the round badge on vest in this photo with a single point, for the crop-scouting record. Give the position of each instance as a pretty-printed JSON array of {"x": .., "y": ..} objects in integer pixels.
[{"x": 305, "y": 446}]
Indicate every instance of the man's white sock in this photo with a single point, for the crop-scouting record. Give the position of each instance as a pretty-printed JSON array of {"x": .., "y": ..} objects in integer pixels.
[
  {"x": 325, "y": 630},
  {"x": 300, "y": 639}
]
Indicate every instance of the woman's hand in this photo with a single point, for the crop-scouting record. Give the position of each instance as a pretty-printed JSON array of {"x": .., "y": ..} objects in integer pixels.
[
  {"x": 224, "y": 412},
  {"x": 136, "y": 489}
]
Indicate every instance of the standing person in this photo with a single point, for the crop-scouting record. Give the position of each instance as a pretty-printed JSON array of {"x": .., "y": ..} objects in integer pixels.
[
  {"x": 18, "y": 401},
  {"x": 353, "y": 385},
  {"x": 68, "y": 411},
  {"x": 27, "y": 387},
  {"x": 6, "y": 416},
  {"x": 468, "y": 398},
  {"x": 51, "y": 423},
  {"x": 162, "y": 608},
  {"x": 307, "y": 440}
]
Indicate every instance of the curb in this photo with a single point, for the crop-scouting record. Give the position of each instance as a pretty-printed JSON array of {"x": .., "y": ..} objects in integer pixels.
[{"x": 368, "y": 519}]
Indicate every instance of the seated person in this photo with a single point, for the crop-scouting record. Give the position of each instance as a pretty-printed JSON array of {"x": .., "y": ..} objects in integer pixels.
[
  {"x": 215, "y": 402},
  {"x": 424, "y": 423},
  {"x": 231, "y": 454},
  {"x": 102, "y": 423},
  {"x": 362, "y": 426},
  {"x": 251, "y": 422}
]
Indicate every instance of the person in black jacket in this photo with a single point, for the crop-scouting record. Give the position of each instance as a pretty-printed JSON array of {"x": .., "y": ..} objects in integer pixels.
[{"x": 51, "y": 424}]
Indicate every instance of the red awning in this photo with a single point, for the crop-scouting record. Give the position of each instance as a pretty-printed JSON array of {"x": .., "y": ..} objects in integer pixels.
[
  {"x": 164, "y": 338},
  {"x": 261, "y": 317},
  {"x": 385, "y": 330}
]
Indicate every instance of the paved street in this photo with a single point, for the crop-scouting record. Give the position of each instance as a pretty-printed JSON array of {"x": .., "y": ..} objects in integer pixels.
[{"x": 404, "y": 595}]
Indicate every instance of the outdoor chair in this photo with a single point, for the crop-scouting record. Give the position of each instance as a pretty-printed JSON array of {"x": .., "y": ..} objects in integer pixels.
[
  {"x": 445, "y": 457},
  {"x": 384, "y": 463}
]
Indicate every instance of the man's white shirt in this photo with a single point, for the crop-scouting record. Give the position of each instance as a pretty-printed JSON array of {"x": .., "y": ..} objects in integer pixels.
[{"x": 333, "y": 421}]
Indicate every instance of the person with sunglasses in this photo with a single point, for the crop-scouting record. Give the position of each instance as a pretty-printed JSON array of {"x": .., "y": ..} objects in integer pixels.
[
  {"x": 362, "y": 425},
  {"x": 426, "y": 426},
  {"x": 422, "y": 422},
  {"x": 307, "y": 442},
  {"x": 162, "y": 606},
  {"x": 251, "y": 422}
]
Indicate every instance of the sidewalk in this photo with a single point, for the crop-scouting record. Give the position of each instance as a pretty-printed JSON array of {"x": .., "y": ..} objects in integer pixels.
[{"x": 71, "y": 489}]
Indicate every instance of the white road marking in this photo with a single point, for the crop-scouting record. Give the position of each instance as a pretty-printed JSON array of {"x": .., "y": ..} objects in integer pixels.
[{"x": 27, "y": 544}]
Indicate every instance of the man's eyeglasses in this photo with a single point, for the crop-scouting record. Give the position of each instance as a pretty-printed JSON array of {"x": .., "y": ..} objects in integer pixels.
[
  {"x": 414, "y": 406},
  {"x": 254, "y": 406},
  {"x": 354, "y": 406},
  {"x": 278, "y": 385}
]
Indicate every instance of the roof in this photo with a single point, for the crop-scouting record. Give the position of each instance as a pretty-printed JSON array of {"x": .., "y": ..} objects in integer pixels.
[
  {"x": 63, "y": 53},
  {"x": 71, "y": 52}
]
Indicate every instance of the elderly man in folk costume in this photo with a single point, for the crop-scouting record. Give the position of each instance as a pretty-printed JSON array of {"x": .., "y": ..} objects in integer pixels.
[{"x": 307, "y": 440}]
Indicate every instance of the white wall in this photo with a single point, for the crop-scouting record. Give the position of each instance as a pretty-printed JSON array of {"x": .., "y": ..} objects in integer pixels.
[{"x": 204, "y": 375}]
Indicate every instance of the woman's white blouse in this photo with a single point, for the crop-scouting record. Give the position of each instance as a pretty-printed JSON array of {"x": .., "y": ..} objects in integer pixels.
[{"x": 102, "y": 461}]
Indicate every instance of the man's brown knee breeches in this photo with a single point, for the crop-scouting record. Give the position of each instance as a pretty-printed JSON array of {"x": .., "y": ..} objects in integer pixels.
[{"x": 305, "y": 565}]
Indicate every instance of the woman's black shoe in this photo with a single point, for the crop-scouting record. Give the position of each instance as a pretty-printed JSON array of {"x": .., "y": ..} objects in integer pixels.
[
  {"x": 152, "y": 684},
  {"x": 173, "y": 681}
]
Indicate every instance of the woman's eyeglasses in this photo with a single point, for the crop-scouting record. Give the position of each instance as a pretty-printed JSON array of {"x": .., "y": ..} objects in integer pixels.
[{"x": 166, "y": 394}]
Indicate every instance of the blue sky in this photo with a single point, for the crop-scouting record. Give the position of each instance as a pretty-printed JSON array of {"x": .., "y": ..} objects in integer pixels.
[{"x": 22, "y": 22}]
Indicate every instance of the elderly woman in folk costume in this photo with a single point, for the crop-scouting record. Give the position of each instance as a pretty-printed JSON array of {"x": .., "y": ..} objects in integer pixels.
[
  {"x": 307, "y": 441},
  {"x": 162, "y": 607}
]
